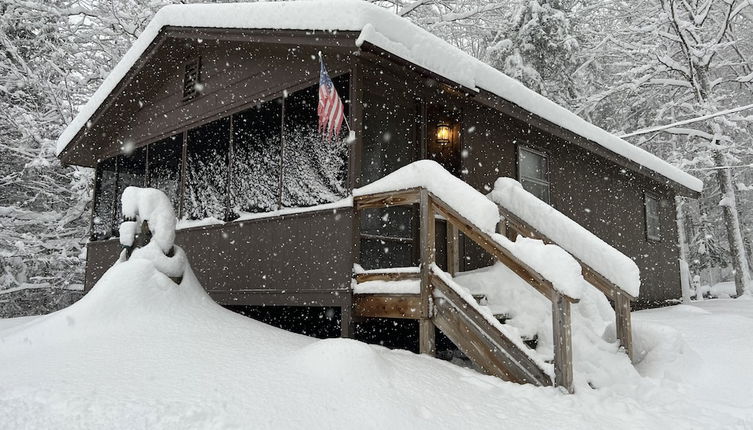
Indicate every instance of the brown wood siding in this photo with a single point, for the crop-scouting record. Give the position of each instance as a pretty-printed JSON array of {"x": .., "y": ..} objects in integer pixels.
[
  {"x": 298, "y": 259},
  {"x": 234, "y": 75},
  {"x": 600, "y": 195}
]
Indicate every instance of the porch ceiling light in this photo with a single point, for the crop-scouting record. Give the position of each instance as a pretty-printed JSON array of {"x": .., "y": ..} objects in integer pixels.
[{"x": 443, "y": 133}]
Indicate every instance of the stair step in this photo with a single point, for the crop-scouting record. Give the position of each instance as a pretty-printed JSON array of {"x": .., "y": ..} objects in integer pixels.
[{"x": 480, "y": 299}]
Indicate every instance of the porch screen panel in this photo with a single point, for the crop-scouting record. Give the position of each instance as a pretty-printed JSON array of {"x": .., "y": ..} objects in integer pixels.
[
  {"x": 390, "y": 141},
  {"x": 255, "y": 177},
  {"x": 315, "y": 169},
  {"x": 104, "y": 199},
  {"x": 164, "y": 167},
  {"x": 206, "y": 171},
  {"x": 131, "y": 173}
]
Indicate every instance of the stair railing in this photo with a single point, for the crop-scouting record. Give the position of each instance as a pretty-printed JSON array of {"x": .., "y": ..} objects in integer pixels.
[
  {"x": 429, "y": 207},
  {"x": 512, "y": 226}
]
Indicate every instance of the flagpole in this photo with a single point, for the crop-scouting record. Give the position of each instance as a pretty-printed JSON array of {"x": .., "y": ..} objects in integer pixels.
[{"x": 345, "y": 118}]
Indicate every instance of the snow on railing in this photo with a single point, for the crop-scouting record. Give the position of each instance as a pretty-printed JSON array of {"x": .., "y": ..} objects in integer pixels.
[{"x": 568, "y": 234}]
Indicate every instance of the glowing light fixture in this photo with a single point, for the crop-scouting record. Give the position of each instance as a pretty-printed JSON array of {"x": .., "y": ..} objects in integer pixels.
[{"x": 443, "y": 133}]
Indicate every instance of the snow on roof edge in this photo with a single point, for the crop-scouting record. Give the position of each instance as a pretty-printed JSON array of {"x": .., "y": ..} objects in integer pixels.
[{"x": 385, "y": 30}]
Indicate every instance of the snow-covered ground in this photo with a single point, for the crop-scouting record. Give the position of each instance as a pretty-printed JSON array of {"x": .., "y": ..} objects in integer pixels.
[{"x": 140, "y": 352}]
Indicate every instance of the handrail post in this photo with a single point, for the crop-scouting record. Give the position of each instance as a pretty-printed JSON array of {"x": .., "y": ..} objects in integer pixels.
[
  {"x": 623, "y": 324},
  {"x": 427, "y": 227},
  {"x": 453, "y": 249},
  {"x": 562, "y": 336}
]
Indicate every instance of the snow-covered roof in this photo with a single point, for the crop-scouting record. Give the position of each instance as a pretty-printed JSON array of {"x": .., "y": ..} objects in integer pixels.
[{"x": 387, "y": 31}]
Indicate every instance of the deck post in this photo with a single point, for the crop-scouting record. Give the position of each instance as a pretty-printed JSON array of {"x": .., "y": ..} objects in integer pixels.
[
  {"x": 453, "y": 249},
  {"x": 426, "y": 334},
  {"x": 562, "y": 335},
  {"x": 346, "y": 318},
  {"x": 623, "y": 324}
]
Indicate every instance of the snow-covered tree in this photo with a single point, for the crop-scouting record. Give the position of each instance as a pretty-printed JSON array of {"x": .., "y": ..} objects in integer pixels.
[
  {"x": 673, "y": 60},
  {"x": 539, "y": 49}
]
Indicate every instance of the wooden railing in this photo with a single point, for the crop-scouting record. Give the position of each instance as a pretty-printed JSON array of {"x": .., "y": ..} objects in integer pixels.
[
  {"x": 430, "y": 206},
  {"x": 620, "y": 300}
]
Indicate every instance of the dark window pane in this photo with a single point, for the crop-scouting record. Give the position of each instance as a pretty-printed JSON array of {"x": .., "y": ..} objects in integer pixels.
[
  {"x": 532, "y": 173},
  {"x": 532, "y": 165},
  {"x": 104, "y": 199},
  {"x": 653, "y": 222},
  {"x": 536, "y": 188},
  {"x": 380, "y": 254},
  {"x": 255, "y": 182},
  {"x": 395, "y": 221},
  {"x": 315, "y": 168},
  {"x": 131, "y": 173},
  {"x": 390, "y": 133},
  {"x": 206, "y": 171},
  {"x": 164, "y": 167}
]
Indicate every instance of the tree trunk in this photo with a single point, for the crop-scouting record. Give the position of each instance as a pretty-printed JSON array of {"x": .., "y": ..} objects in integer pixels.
[
  {"x": 732, "y": 224},
  {"x": 683, "y": 248}
]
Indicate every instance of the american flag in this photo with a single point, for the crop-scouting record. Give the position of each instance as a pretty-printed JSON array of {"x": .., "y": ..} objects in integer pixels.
[{"x": 331, "y": 111}]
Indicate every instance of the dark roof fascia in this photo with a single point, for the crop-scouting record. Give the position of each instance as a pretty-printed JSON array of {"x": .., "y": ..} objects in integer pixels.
[{"x": 321, "y": 38}]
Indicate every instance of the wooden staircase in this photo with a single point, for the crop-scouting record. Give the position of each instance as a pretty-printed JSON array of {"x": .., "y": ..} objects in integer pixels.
[{"x": 441, "y": 303}]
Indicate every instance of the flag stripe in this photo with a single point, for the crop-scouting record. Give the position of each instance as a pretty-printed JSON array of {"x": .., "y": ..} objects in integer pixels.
[{"x": 330, "y": 109}]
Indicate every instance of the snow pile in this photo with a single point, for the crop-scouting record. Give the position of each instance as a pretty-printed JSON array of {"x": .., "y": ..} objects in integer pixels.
[
  {"x": 597, "y": 362},
  {"x": 568, "y": 234},
  {"x": 385, "y": 30},
  {"x": 153, "y": 206},
  {"x": 139, "y": 352}
]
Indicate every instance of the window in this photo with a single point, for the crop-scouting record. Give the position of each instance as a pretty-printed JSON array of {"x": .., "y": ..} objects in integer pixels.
[
  {"x": 314, "y": 169},
  {"x": 164, "y": 167},
  {"x": 206, "y": 171},
  {"x": 104, "y": 199},
  {"x": 533, "y": 169},
  {"x": 653, "y": 221},
  {"x": 255, "y": 175}
]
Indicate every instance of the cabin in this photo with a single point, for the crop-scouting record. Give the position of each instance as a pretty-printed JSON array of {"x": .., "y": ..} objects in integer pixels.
[{"x": 216, "y": 105}]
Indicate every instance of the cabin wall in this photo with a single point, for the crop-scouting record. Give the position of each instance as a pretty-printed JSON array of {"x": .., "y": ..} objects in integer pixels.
[
  {"x": 600, "y": 195},
  {"x": 303, "y": 259}
]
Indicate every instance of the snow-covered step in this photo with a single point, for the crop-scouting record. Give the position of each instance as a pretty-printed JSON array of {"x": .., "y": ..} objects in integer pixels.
[{"x": 386, "y": 274}]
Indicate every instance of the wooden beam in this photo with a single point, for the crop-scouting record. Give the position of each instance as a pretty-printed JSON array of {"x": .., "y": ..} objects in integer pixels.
[
  {"x": 403, "y": 306},
  {"x": 428, "y": 249},
  {"x": 453, "y": 249},
  {"x": 346, "y": 319},
  {"x": 387, "y": 276},
  {"x": 386, "y": 199},
  {"x": 624, "y": 324},
  {"x": 563, "y": 349}
]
